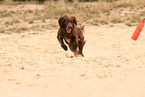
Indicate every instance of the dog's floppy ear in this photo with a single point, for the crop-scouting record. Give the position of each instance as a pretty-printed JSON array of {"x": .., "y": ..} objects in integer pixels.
[
  {"x": 74, "y": 20},
  {"x": 61, "y": 21}
]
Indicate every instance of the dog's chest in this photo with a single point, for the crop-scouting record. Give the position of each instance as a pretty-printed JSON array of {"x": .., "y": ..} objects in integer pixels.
[{"x": 67, "y": 40}]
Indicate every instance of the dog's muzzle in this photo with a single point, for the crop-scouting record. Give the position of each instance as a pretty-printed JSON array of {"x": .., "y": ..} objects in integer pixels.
[{"x": 69, "y": 29}]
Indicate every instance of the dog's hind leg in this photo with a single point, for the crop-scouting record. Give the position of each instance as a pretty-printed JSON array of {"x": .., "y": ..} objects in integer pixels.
[
  {"x": 73, "y": 48},
  {"x": 73, "y": 45},
  {"x": 81, "y": 45}
]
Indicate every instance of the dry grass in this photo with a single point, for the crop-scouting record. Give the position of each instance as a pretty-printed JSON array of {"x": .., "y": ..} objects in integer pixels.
[{"x": 16, "y": 17}]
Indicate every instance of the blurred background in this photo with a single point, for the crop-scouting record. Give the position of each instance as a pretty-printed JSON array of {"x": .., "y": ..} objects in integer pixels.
[
  {"x": 23, "y": 15},
  {"x": 42, "y": 1}
]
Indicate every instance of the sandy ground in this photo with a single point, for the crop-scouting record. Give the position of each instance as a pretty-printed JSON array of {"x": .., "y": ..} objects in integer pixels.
[{"x": 34, "y": 65}]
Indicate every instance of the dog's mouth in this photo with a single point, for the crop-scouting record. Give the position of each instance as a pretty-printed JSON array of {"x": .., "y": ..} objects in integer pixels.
[{"x": 68, "y": 30}]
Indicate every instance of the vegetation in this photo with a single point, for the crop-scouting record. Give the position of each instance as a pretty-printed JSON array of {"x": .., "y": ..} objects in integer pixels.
[{"x": 23, "y": 16}]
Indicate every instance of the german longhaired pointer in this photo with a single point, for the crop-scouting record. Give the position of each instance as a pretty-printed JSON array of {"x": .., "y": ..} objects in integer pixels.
[{"x": 70, "y": 34}]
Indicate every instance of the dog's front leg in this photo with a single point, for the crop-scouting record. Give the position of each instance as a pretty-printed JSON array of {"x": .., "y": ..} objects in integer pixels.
[{"x": 62, "y": 43}]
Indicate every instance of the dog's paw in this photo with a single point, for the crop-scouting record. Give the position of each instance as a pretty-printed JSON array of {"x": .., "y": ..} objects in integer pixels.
[
  {"x": 79, "y": 54},
  {"x": 64, "y": 47},
  {"x": 68, "y": 56}
]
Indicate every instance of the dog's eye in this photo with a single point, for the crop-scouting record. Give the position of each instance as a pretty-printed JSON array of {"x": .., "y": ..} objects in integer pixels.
[{"x": 66, "y": 22}]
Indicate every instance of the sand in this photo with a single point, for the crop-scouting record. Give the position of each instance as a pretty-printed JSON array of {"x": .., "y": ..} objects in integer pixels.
[{"x": 32, "y": 64}]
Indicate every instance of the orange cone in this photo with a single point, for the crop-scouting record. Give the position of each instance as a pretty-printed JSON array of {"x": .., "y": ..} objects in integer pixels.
[{"x": 138, "y": 30}]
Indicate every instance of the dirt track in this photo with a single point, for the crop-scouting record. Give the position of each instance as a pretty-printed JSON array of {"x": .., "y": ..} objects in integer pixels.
[{"x": 34, "y": 65}]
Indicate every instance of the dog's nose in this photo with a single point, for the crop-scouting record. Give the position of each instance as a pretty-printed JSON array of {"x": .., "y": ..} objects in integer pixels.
[{"x": 70, "y": 26}]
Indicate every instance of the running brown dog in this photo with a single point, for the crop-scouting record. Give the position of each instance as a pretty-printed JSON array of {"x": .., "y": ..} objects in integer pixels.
[{"x": 71, "y": 34}]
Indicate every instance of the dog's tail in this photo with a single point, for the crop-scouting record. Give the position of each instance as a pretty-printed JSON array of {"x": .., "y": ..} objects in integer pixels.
[{"x": 82, "y": 27}]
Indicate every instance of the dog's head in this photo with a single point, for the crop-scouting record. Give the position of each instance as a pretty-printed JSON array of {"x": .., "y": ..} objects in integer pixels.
[{"x": 67, "y": 22}]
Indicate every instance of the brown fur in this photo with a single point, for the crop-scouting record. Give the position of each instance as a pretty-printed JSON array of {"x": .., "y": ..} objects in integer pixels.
[{"x": 71, "y": 34}]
